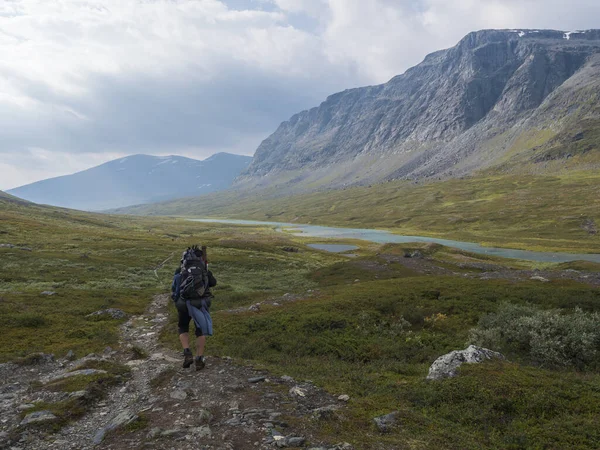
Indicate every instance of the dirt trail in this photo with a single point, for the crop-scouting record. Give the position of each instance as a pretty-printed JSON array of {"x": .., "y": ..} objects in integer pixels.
[{"x": 224, "y": 406}]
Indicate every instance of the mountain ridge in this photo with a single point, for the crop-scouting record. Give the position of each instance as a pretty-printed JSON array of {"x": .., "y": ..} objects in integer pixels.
[
  {"x": 136, "y": 179},
  {"x": 457, "y": 112}
]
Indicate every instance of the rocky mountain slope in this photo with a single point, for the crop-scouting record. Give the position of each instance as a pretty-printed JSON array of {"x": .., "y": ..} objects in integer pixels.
[
  {"x": 136, "y": 179},
  {"x": 528, "y": 97}
]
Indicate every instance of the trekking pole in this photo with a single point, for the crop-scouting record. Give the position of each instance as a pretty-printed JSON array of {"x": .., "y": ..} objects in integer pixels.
[{"x": 205, "y": 257}]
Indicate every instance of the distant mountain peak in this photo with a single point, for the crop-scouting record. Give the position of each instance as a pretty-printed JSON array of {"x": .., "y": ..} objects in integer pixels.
[{"x": 135, "y": 179}]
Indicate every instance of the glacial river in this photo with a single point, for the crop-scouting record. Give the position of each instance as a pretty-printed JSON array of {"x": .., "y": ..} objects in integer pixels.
[{"x": 385, "y": 237}]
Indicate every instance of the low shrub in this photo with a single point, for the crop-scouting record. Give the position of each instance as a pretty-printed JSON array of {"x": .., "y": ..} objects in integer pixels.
[{"x": 549, "y": 338}]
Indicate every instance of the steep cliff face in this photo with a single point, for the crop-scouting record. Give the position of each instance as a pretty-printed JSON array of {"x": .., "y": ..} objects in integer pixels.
[{"x": 458, "y": 111}]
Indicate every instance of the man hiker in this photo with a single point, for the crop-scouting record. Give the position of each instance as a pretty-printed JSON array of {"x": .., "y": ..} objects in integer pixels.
[{"x": 191, "y": 294}]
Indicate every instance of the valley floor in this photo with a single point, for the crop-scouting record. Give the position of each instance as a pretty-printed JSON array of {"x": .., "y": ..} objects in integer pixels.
[{"x": 367, "y": 325}]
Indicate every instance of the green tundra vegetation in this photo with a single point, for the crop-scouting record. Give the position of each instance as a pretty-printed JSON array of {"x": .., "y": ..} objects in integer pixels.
[
  {"x": 368, "y": 326},
  {"x": 542, "y": 213}
]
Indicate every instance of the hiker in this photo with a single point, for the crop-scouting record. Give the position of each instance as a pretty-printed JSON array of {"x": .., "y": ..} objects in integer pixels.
[{"x": 191, "y": 294}]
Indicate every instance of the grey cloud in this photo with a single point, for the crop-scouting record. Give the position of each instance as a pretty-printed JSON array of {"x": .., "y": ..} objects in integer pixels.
[
  {"x": 143, "y": 113},
  {"x": 164, "y": 102}
]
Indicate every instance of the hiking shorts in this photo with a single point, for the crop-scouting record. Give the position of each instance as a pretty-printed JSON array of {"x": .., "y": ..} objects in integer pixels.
[{"x": 184, "y": 319}]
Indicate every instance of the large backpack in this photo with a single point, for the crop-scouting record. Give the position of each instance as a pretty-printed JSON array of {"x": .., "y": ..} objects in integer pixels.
[{"x": 194, "y": 275}]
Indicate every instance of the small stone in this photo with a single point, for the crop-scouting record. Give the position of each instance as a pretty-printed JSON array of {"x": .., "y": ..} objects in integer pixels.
[
  {"x": 202, "y": 432},
  {"x": 173, "y": 433},
  {"x": 233, "y": 422},
  {"x": 178, "y": 395},
  {"x": 297, "y": 391},
  {"x": 295, "y": 441},
  {"x": 37, "y": 417},
  {"x": 78, "y": 394},
  {"x": 255, "y": 307},
  {"x": 287, "y": 379},
  {"x": 99, "y": 436},
  {"x": 344, "y": 398},
  {"x": 49, "y": 293},
  {"x": 154, "y": 433},
  {"x": 538, "y": 278},
  {"x": 386, "y": 422},
  {"x": 70, "y": 356},
  {"x": 25, "y": 407},
  {"x": 256, "y": 379}
]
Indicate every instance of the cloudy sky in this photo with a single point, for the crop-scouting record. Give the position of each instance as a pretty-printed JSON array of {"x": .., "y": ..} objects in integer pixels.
[{"x": 86, "y": 81}]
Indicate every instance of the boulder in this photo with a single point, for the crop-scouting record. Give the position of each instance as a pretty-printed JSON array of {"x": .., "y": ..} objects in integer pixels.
[
  {"x": 295, "y": 441},
  {"x": 125, "y": 417},
  {"x": 446, "y": 366},
  {"x": 37, "y": 417},
  {"x": 256, "y": 379},
  {"x": 386, "y": 422},
  {"x": 202, "y": 432}
]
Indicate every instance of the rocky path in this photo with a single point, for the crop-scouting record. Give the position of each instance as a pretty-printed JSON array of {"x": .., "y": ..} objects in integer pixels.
[{"x": 161, "y": 405}]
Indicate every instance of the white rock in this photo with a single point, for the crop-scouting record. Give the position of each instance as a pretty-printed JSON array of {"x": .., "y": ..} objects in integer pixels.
[
  {"x": 178, "y": 395},
  {"x": 445, "y": 366},
  {"x": 344, "y": 398},
  {"x": 542, "y": 279},
  {"x": 298, "y": 391}
]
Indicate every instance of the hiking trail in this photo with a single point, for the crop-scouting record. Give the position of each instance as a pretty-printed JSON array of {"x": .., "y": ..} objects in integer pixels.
[{"x": 161, "y": 405}]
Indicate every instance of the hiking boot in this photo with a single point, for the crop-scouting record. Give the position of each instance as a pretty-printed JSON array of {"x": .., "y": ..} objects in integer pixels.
[
  {"x": 188, "y": 359},
  {"x": 200, "y": 362}
]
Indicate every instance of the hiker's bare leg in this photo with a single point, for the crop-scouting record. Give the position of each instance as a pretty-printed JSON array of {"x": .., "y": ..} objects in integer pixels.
[
  {"x": 184, "y": 338},
  {"x": 200, "y": 342}
]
